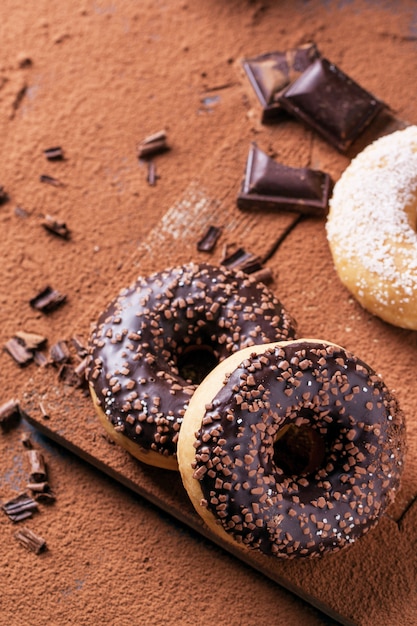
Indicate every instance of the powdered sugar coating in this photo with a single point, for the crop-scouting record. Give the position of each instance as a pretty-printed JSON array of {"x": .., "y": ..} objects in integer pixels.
[{"x": 371, "y": 227}]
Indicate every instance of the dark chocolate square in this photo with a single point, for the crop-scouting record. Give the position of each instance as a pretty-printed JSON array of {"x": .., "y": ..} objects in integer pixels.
[
  {"x": 271, "y": 73},
  {"x": 331, "y": 103},
  {"x": 270, "y": 185}
]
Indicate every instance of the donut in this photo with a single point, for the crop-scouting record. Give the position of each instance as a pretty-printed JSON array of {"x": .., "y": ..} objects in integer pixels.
[
  {"x": 159, "y": 337},
  {"x": 292, "y": 449},
  {"x": 371, "y": 228}
]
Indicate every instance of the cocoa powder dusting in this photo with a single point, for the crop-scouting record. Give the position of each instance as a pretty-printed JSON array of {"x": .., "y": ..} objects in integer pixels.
[{"x": 95, "y": 78}]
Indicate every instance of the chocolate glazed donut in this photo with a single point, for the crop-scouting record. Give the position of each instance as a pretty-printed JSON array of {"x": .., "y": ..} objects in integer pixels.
[
  {"x": 159, "y": 338},
  {"x": 294, "y": 449}
]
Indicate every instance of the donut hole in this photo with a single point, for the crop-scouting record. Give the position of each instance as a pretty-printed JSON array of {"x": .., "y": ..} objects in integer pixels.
[
  {"x": 299, "y": 449},
  {"x": 196, "y": 362}
]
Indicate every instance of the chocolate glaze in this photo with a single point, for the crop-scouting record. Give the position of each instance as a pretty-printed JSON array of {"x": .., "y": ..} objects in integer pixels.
[
  {"x": 139, "y": 340},
  {"x": 347, "y": 404}
]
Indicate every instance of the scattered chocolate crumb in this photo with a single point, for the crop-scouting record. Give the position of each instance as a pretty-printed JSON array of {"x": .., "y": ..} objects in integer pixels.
[
  {"x": 21, "y": 507},
  {"x": 24, "y": 62},
  {"x": 4, "y": 197},
  {"x": 54, "y": 154},
  {"x": 30, "y": 540},
  {"x": 20, "y": 212},
  {"x": 209, "y": 239},
  {"x": 153, "y": 144},
  {"x": 9, "y": 414},
  {"x": 56, "y": 226},
  {"x": 47, "y": 300}
]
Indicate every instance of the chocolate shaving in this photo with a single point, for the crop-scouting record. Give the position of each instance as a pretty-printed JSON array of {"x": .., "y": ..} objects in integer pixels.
[
  {"x": 44, "y": 412},
  {"x": 50, "y": 180},
  {"x": 54, "y": 154},
  {"x": 56, "y": 227},
  {"x": 47, "y": 300},
  {"x": 69, "y": 376},
  {"x": 38, "y": 487},
  {"x": 9, "y": 414},
  {"x": 263, "y": 275},
  {"x": 59, "y": 352},
  {"x": 81, "y": 367},
  {"x": 153, "y": 144},
  {"x": 152, "y": 175},
  {"x": 79, "y": 345},
  {"x": 27, "y": 441},
  {"x": 242, "y": 260},
  {"x": 21, "y": 507},
  {"x": 331, "y": 103},
  {"x": 42, "y": 492},
  {"x": 40, "y": 358},
  {"x": 18, "y": 351},
  {"x": 37, "y": 466},
  {"x": 30, "y": 540},
  {"x": 209, "y": 239}
]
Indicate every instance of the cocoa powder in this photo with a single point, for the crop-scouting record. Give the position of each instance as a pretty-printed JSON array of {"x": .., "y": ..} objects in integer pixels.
[{"x": 96, "y": 78}]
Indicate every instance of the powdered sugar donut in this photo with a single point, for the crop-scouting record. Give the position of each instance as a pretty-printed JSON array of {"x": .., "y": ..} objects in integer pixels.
[{"x": 371, "y": 228}]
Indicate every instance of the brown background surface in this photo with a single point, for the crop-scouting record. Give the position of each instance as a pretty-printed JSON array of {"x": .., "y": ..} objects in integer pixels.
[{"x": 102, "y": 75}]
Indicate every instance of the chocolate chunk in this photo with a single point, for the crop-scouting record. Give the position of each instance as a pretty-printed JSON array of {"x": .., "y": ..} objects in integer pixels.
[
  {"x": 47, "y": 300},
  {"x": 271, "y": 185},
  {"x": 271, "y": 73},
  {"x": 331, "y": 103},
  {"x": 209, "y": 239}
]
